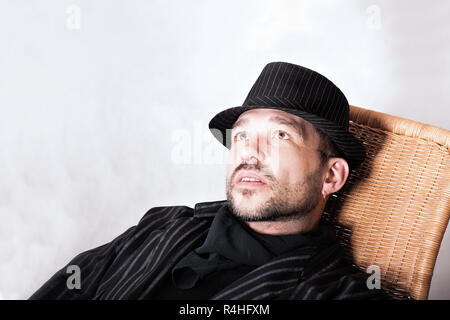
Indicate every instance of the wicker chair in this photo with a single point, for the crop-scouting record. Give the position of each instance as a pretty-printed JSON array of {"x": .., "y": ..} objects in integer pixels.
[{"x": 394, "y": 209}]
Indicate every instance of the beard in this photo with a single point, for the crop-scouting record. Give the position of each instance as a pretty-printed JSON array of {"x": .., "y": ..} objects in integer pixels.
[{"x": 286, "y": 201}]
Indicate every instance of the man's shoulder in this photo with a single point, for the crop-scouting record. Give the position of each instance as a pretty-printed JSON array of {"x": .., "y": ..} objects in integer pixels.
[
  {"x": 356, "y": 283},
  {"x": 205, "y": 209},
  {"x": 332, "y": 275},
  {"x": 166, "y": 213}
]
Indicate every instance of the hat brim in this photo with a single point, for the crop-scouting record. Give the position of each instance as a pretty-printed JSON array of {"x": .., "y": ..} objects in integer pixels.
[{"x": 348, "y": 145}]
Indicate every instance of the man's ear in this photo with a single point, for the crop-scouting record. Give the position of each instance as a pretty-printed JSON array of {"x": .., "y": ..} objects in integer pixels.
[{"x": 335, "y": 176}]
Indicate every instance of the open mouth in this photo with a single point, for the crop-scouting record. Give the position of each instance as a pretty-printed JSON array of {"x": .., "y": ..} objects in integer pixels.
[{"x": 250, "y": 182}]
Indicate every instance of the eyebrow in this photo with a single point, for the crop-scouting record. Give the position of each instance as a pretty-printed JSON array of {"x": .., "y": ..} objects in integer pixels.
[{"x": 296, "y": 125}]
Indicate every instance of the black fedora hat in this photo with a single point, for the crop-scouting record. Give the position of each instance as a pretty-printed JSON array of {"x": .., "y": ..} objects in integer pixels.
[{"x": 301, "y": 92}]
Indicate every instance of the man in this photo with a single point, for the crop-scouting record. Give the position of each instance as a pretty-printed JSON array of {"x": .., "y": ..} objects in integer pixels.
[{"x": 290, "y": 148}]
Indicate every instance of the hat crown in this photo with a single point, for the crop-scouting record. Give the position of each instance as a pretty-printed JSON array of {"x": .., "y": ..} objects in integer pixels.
[{"x": 292, "y": 86}]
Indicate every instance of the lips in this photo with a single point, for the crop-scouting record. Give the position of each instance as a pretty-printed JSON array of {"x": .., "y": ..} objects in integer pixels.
[{"x": 250, "y": 178}]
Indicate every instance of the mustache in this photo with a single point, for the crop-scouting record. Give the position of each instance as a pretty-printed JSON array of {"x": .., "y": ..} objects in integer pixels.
[{"x": 254, "y": 167}]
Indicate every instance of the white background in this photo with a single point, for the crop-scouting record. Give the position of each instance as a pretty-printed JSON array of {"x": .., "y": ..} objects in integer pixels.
[{"x": 95, "y": 96}]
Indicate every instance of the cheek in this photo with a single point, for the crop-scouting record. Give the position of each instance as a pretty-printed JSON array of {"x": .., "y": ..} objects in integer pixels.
[{"x": 289, "y": 167}]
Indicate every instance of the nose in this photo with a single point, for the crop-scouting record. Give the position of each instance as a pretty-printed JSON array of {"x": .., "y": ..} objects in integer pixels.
[{"x": 255, "y": 149}]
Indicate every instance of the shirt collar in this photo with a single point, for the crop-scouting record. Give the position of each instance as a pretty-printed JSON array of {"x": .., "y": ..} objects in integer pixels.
[
  {"x": 322, "y": 235},
  {"x": 208, "y": 209}
]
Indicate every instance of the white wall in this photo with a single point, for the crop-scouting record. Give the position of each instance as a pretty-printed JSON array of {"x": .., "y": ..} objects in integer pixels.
[{"x": 95, "y": 93}]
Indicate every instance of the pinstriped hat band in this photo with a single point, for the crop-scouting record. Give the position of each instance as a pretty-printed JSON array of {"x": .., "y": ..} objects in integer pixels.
[{"x": 301, "y": 92}]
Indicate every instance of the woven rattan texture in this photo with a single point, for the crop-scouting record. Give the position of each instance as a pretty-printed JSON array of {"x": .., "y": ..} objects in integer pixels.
[{"x": 394, "y": 209}]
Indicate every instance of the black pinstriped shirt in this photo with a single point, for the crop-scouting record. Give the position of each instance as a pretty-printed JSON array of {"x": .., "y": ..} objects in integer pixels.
[
  {"x": 231, "y": 250},
  {"x": 135, "y": 264}
]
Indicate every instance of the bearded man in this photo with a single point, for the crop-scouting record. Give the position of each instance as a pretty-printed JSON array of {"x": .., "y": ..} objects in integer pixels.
[{"x": 290, "y": 149}]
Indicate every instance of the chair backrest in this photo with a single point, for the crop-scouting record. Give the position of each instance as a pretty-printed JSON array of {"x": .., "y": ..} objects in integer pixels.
[{"x": 394, "y": 209}]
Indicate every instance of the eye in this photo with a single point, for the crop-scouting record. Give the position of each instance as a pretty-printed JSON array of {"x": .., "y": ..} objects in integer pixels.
[
  {"x": 280, "y": 135},
  {"x": 241, "y": 135}
]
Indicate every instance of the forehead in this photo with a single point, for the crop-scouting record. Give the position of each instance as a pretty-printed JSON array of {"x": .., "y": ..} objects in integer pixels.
[{"x": 273, "y": 116}]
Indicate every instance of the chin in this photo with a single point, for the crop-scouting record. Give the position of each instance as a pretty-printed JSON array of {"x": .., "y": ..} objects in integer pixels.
[{"x": 247, "y": 201}]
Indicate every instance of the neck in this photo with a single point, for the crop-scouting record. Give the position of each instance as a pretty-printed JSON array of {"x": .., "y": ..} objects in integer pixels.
[{"x": 293, "y": 226}]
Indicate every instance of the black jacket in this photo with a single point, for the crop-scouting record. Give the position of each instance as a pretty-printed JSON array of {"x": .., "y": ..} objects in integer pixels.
[{"x": 133, "y": 265}]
